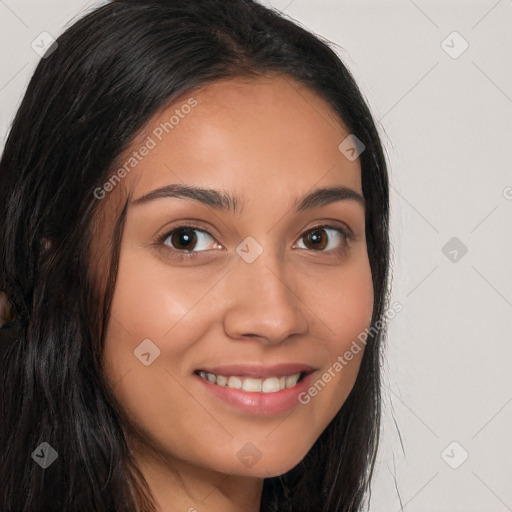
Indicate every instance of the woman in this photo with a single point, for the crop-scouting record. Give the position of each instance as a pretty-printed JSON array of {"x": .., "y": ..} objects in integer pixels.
[{"x": 195, "y": 242}]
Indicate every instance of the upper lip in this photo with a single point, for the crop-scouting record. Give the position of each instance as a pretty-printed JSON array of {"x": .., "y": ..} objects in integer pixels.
[{"x": 258, "y": 370}]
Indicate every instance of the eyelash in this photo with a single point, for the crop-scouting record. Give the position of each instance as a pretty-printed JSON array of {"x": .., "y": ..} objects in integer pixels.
[{"x": 181, "y": 255}]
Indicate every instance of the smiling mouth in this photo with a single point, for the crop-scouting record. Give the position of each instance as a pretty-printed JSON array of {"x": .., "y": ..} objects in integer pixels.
[{"x": 253, "y": 384}]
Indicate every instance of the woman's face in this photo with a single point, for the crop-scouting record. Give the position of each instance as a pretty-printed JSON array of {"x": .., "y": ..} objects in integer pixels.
[{"x": 263, "y": 287}]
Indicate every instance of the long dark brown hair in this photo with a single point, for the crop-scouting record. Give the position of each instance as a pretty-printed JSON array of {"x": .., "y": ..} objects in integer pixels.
[{"x": 103, "y": 81}]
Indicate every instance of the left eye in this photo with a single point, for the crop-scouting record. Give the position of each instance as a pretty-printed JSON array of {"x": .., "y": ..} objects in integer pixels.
[{"x": 317, "y": 240}]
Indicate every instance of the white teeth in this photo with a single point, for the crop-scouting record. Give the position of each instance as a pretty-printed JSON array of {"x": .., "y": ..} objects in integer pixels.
[
  {"x": 271, "y": 385},
  {"x": 221, "y": 380},
  {"x": 251, "y": 384},
  {"x": 234, "y": 383},
  {"x": 291, "y": 380}
]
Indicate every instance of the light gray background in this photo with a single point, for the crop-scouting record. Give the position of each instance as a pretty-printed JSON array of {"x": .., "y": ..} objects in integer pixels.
[{"x": 447, "y": 126}]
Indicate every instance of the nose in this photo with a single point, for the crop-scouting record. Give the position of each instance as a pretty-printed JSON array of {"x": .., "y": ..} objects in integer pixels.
[{"x": 262, "y": 302}]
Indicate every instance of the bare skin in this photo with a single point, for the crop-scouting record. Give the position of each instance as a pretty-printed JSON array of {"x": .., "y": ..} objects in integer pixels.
[{"x": 264, "y": 141}]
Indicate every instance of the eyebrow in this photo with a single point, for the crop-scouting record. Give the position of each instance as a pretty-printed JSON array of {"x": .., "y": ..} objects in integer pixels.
[{"x": 224, "y": 201}]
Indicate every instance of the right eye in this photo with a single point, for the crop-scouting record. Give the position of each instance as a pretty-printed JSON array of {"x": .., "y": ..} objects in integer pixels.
[{"x": 186, "y": 241}]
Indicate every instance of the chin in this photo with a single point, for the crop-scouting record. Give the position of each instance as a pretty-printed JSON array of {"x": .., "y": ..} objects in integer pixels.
[{"x": 270, "y": 466}]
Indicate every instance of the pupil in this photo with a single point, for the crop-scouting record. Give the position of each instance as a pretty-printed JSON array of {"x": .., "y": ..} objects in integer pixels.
[{"x": 185, "y": 237}]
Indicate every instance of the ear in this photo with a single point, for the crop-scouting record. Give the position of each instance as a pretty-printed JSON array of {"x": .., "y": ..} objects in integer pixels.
[
  {"x": 7, "y": 314},
  {"x": 46, "y": 244}
]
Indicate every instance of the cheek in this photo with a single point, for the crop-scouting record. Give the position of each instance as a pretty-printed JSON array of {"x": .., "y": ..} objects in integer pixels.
[
  {"x": 344, "y": 306},
  {"x": 145, "y": 307},
  {"x": 342, "y": 300},
  {"x": 351, "y": 306},
  {"x": 151, "y": 301},
  {"x": 171, "y": 315}
]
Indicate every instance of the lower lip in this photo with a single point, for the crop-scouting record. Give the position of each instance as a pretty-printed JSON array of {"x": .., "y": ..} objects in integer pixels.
[{"x": 259, "y": 402}]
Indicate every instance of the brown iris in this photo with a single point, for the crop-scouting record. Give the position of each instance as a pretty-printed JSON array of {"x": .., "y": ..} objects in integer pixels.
[
  {"x": 315, "y": 237},
  {"x": 183, "y": 237}
]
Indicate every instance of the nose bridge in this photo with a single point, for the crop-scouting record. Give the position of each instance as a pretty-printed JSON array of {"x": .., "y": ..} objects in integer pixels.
[{"x": 263, "y": 301}]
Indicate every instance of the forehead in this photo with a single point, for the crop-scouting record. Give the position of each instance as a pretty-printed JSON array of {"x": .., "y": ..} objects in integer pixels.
[{"x": 240, "y": 133}]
